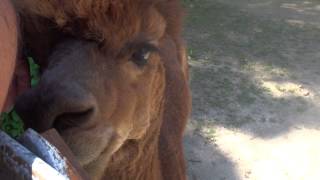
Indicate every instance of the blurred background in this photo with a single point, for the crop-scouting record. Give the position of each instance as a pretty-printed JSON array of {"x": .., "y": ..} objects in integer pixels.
[{"x": 255, "y": 79}]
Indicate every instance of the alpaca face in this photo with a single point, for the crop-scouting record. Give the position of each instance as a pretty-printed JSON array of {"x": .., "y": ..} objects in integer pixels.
[{"x": 99, "y": 95}]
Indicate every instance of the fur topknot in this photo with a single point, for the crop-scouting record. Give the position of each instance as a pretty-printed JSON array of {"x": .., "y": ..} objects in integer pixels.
[{"x": 99, "y": 20}]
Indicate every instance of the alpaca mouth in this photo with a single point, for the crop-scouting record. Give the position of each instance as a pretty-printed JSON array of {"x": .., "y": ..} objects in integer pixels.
[{"x": 89, "y": 146}]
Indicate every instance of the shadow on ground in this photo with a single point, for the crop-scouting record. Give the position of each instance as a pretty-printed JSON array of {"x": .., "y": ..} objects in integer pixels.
[
  {"x": 250, "y": 69},
  {"x": 207, "y": 162}
]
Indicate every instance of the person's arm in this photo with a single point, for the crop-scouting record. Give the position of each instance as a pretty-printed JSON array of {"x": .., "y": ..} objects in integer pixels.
[{"x": 8, "y": 47}]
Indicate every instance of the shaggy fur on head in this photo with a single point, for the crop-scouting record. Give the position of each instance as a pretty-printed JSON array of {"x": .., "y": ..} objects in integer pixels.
[{"x": 106, "y": 21}]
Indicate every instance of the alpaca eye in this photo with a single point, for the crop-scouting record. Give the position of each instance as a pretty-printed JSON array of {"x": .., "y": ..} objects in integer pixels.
[{"x": 141, "y": 57}]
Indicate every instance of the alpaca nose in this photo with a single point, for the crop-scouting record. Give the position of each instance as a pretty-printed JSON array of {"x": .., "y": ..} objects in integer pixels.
[{"x": 56, "y": 106}]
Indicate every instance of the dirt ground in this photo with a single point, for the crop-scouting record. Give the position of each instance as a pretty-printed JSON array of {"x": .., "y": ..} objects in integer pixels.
[{"x": 255, "y": 79}]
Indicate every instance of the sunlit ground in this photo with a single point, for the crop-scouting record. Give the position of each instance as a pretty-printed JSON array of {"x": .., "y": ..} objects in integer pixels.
[{"x": 293, "y": 155}]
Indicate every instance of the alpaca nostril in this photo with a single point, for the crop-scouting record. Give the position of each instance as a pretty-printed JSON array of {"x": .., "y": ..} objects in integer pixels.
[{"x": 68, "y": 120}]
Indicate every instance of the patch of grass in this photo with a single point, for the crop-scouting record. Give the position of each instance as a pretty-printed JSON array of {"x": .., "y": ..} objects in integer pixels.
[{"x": 206, "y": 129}]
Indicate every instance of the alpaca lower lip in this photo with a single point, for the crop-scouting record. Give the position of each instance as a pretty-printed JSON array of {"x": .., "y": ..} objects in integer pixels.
[{"x": 86, "y": 146}]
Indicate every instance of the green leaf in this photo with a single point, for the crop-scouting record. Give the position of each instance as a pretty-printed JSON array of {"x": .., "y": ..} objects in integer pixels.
[
  {"x": 34, "y": 70},
  {"x": 34, "y": 81},
  {"x": 11, "y": 123},
  {"x": 15, "y": 116}
]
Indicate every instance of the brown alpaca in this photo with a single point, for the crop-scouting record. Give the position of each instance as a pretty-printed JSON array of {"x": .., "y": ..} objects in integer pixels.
[{"x": 114, "y": 83}]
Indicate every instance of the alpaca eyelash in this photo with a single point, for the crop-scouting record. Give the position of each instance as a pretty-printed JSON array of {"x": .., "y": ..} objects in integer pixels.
[{"x": 134, "y": 47}]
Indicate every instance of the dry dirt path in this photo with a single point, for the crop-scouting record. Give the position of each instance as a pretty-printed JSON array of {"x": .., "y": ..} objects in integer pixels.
[{"x": 255, "y": 68}]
